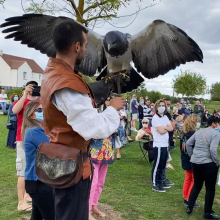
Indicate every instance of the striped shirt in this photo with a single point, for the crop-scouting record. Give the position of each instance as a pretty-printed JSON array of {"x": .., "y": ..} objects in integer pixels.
[{"x": 147, "y": 112}]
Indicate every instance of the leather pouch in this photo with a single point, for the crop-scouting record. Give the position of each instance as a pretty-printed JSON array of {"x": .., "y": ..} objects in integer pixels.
[{"x": 58, "y": 165}]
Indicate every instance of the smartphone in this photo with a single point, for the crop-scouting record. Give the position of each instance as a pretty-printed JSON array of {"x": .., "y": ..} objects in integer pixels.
[{"x": 36, "y": 91}]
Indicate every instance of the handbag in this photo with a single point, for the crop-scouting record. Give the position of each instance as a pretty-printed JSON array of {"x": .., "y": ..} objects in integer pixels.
[
  {"x": 58, "y": 165},
  {"x": 9, "y": 125}
]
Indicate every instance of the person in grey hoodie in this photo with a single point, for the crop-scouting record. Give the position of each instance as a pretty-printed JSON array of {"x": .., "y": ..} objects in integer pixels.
[{"x": 202, "y": 148}]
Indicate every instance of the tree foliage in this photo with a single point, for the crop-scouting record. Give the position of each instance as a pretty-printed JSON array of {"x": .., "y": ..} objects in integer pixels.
[
  {"x": 85, "y": 11},
  {"x": 141, "y": 91},
  {"x": 2, "y": 2},
  {"x": 215, "y": 91},
  {"x": 189, "y": 83},
  {"x": 12, "y": 91}
]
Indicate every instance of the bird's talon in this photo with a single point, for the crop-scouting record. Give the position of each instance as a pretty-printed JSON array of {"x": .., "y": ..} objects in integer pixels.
[{"x": 107, "y": 79}]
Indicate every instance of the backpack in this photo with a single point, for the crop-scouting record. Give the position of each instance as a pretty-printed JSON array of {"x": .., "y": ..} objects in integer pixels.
[{"x": 183, "y": 145}]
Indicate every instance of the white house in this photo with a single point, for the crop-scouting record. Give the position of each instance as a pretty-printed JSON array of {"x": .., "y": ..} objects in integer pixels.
[{"x": 17, "y": 71}]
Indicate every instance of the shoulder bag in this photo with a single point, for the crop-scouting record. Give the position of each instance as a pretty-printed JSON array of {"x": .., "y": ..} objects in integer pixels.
[
  {"x": 58, "y": 165},
  {"x": 9, "y": 125}
]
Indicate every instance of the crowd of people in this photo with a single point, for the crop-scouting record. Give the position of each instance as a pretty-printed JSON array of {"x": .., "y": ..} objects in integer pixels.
[{"x": 65, "y": 116}]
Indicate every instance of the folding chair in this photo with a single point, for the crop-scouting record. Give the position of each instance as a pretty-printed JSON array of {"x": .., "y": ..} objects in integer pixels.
[{"x": 144, "y": 152}]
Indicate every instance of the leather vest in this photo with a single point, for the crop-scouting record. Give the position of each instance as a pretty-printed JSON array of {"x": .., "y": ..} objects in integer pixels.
[{"x": 59, "y": 75}]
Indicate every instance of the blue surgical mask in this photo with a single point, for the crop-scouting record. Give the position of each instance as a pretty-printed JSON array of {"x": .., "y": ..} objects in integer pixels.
[
  {"x": 142, "y": 102},
  {"x": 39, "y": 116},
  {"x": 187, "y": 107},
  {"x": 168, "y": 108},
  {"x": 15, "y": 98},
  {"x": 135, "y": 99},
  {"x": 179, "y": 107}
]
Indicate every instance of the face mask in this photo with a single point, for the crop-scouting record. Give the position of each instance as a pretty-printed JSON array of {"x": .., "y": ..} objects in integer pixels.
[
  {"x": 168, "y": 108},
  {"x": 39, "y": 116},
  {"x": 142, "y": 102},
  {"x": 152, "y": 107},
  {"x": 187, "y": 107},
  {"x": 179, "y": 107},
  {"x": 197, "y": 125},
  {"x": 145, "y": 125},
  {"x": 135, "y": 99},
  {"x": 161, "y": 109},
  {"x": 15, "y": 98}
]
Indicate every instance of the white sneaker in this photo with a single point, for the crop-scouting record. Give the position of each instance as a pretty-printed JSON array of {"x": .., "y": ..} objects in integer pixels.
[{"x": 135, "y": 130}]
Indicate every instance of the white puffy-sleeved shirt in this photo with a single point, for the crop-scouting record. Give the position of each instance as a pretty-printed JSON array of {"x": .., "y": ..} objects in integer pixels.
[
  {"x": 82, "y": 117},
  {"x": 160, "y": 140}
]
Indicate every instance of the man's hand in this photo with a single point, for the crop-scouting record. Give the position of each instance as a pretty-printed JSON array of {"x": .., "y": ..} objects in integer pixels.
[
  {"x": 29, "y": 89},
  {"x": 118, "y": 103}
]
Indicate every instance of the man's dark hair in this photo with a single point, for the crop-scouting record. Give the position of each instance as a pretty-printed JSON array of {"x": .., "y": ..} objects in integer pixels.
[
  {"x": 212, "y": 119},
  {"x": 67, "y": 33}
]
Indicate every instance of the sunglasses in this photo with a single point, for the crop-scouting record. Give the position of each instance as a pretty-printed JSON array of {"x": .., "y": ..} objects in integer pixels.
[
  {"x": 38, "y": 110},
  {"x": 144, "y": 122}
]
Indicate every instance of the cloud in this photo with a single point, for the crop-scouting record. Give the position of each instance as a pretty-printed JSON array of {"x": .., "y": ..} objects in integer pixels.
[{"x": 199, "y": 19}]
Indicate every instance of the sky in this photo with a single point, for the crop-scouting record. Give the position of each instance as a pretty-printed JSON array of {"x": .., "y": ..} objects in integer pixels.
[{"x": 198, "y": 18}]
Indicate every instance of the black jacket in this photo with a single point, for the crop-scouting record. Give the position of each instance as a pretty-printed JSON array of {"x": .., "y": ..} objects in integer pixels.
[
  {"x": 185, "y": 158},
  {"x": 140, "y": 112}
]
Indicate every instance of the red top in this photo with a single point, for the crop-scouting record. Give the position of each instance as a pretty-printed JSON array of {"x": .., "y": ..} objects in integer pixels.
[{"x": 20, "y": 119}]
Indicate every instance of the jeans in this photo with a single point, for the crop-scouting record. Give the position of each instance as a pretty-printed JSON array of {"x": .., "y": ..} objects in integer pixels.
[
  {"x": 42, "y": 200},
  {"x": 159, "y": 167},
  {"x": 140, "y": 123},
  {"x": 3, "y": 105},
  {"x": 204, "y": 173},
  {"x": 73, "y": 203}
]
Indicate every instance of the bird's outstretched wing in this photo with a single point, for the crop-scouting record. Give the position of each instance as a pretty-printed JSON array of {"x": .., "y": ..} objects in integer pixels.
[
  {"x": 95, "y": 56},
  {"x": 161, "y": 47},
  {"x": 35, "y": 30}
]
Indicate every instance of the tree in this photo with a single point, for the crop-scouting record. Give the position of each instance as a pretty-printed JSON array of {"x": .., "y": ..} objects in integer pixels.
[
  {"x": 86, "y": 12},
  {"x": 189, "y": 83},
  {"x": 215, "y": 91},
  {"x": 2, "y": 2}
]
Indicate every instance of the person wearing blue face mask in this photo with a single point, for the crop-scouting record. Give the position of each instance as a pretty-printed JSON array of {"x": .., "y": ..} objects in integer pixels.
[
  {"x": 187, "y": 111},
  {"x": 140, "y": 112},
  {"x": 33, "y": 135},
  {"x": 11, "y": 140}
]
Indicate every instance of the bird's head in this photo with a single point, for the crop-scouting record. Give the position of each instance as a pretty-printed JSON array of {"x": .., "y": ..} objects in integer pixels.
[{"x": 115, "y": 43}]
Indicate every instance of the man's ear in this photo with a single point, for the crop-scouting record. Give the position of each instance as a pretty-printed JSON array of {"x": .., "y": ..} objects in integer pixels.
[{"x": 77, "y": 47}]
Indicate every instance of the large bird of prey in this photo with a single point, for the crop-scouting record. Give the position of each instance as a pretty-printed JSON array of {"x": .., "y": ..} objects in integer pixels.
[{"x": 154, "y": 51}]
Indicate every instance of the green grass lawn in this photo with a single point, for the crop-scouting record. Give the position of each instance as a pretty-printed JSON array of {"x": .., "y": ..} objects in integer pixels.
[{"x": 127, "y": 188}]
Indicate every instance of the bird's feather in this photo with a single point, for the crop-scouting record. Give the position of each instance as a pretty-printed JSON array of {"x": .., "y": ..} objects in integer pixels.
[
  {"x": 161, "y": 47},
  {"x": 35, "y": 30}
]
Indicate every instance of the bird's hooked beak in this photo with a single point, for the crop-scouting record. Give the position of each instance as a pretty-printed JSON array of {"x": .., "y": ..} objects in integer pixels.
[{"x": 109, "y": 46}]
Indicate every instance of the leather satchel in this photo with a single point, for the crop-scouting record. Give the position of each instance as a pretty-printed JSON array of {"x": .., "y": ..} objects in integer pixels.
[{"x": 58, "y": 165}]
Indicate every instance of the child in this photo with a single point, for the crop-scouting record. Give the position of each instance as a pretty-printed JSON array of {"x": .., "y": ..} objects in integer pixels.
[{"x": 102, "y": 154}]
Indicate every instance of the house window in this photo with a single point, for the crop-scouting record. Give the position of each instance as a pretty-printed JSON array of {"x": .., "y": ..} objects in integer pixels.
[
  {"x": 39, "y": 77},
  {"x": 24, "y": 75}
]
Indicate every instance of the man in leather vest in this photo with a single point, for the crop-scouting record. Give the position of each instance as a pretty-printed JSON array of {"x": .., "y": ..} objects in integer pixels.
[{"x": 69, "y": 114}]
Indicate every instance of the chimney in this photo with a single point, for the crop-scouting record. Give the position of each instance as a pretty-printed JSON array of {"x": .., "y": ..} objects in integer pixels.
[{"x": 1, "y": 52}]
